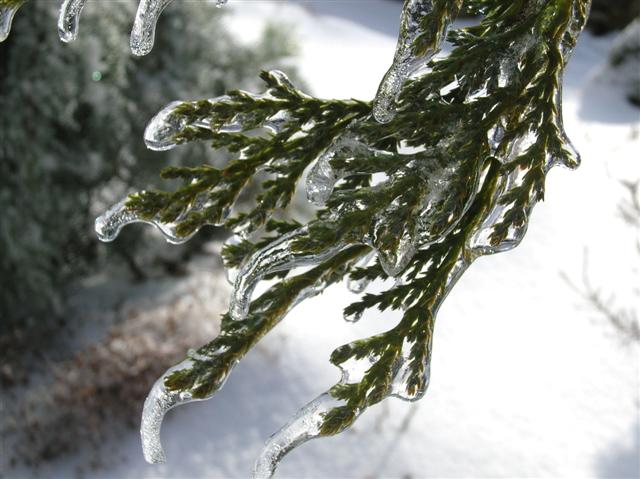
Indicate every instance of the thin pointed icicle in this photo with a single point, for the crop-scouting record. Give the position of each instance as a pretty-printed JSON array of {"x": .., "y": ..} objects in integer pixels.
[
  {"x": 423, "y": 28},
  {"x": 69, "y": 19},
  {"x": 156, "y": 405},
  {"x": 109, "y": 224},
  {"x": 7, "y": 12},
  {"x": 305, "y": 425},
  {"x": 277, "y": 256},
  {"x": 144, "y": 26}
]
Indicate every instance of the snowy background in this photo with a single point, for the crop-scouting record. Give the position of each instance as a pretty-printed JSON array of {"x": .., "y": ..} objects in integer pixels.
[{"x": 528, "y": 380}]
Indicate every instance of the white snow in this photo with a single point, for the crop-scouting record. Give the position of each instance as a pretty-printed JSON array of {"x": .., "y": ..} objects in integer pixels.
[{"x": 526, "y": 381}]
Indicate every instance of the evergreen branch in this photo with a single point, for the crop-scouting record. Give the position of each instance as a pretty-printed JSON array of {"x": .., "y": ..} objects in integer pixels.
[
  {"x": 283, "y": 151},
  {"x": 212, "y": 363}
]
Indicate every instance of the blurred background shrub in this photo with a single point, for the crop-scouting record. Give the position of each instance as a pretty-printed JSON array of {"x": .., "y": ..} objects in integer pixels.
[{"x": 71, "y": 138}]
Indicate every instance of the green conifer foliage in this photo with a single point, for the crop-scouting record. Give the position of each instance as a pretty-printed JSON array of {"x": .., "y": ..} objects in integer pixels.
[{"x": 462, "y": 144}]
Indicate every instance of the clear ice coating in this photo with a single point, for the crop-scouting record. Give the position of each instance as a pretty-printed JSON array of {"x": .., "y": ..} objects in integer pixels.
[
  {"x": 69, "y": 19},
  {"x": 277, "y": 256},
  {"x": 161, "y": 130},
  {"x": 109, "y": 224},
  {"x": 7, "y": 12},
  {"x": 322, "y": 177}
]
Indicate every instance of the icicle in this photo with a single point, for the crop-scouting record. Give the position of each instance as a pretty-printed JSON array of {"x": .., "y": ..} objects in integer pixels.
[
  {"x": 321, "y": 179},
  {"x": 232, "y": 273},
  {"x": 109, "y": 224},
  {"x": 158, "y": 402},
  {"x": 144, "y": 26},
  {"x": 569, "y": 156},
  {"x": 303, "y": 427},
  {"x": 358, "y": 286},
  {"x": 417, "y": 22},
  {"x": 277, "y": 256},
  {"x": 7, "y": 12},
  {"x": 69, "y": 18}
]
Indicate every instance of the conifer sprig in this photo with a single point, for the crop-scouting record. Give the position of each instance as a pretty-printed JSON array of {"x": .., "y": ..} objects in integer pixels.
[
  {"x": 493, "y": 121},
  {"x": 451, "y": 175}
]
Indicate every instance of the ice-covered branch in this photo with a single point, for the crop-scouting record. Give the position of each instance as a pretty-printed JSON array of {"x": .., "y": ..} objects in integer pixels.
[{"x": 446, "y": 166}]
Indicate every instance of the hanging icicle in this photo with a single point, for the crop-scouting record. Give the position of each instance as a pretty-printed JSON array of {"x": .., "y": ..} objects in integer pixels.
[{"x": 142, "y": 35}]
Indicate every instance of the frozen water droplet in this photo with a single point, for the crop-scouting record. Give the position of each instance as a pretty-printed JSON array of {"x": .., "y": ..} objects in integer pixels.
[
  {"x": 277, "y": 256},
  {"x": 109, "y": 224},
  {"x": 394, "y": 262},
  {"x": 353, "y": 318},
  {"x": 405, "y": 375},
  {"x": 69, "y": 19},
  {"x": 304, "y": 426},
  {"x": 321, "y": 179},
  {"x": 161, "y": 130},
  {"x": 7, "y": 12},
  {"x": 277, "y": 122},
  {"x": 358, "y": 286},
  {"x": 144, "y": 26}
]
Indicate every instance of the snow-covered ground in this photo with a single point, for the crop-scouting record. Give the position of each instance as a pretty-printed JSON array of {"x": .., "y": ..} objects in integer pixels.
[{"x": 526, "y": 380}]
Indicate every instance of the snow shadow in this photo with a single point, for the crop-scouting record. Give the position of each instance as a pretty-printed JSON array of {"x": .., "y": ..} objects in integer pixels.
[
  {"x": 603, "y": 100},
  {"x": 380, "y": 15},
  {"x": 622, "y": 461}
]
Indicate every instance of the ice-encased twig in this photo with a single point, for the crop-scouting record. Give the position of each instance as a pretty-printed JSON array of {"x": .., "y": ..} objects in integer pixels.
[
  {"x": 304, "y": 426},
  {"x": 280, "y": 255},
  {"x": 109, "y": 224},
  {"x": 423, "y": 28},
  {"x": 224, "y": 350},
  {"x": 159, "y": 401}
]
